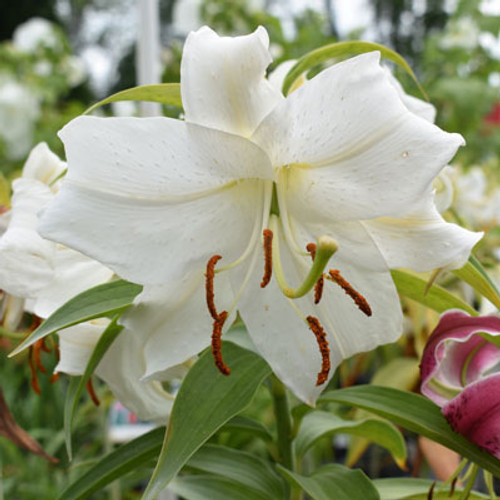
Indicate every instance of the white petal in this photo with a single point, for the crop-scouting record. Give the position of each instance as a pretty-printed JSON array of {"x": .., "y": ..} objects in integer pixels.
[
  {"x": 278, "y": 75},
  {"x": 76, "y": 345},
  {"x": 73, "y": 274},
  {"x": 359, "y": 152},
  {"x": 155, "y": 198},
  {"x": 223, "y": 80},
  {"x": 26, "y": 259},
  {"x": 122, "y": 368},
  {"x": 43, "y": 165},
  {"x": 423, "y": 240},
  {"x": 174, "y": 321}
]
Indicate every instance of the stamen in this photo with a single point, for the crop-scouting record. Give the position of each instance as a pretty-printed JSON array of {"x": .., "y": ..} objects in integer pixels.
[
  {"x": 319, "y": 333},
  {"x": 209, "y": 285},
  {"x": 358, "y": 299},
  {"x": 39, "y": 346},
  {"x": 217, "y": 343},
  {"x": 318, "y": 287},
  {"x": 268, "y": 257},
  {"x": 90, "y": 390},
  {"x": 34, "y": 376},
  {"x": 54, "y": 377}
]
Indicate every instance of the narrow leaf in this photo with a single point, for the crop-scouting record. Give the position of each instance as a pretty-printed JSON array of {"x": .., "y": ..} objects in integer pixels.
[
  {"x": 102, "y": 300},
  {"x": 204, "y": 487},
  {"x": 344, "y": 49},
  {"x": 245, "y": 469},
  {"x": 77, "y": 384},
  {"x": 437, "y": 298},
  {"x": 415, "y": 413},
  {"x": 474, "y": 274},
  {"x": 126, "y": 458},
  {"x": 164, "y": 93},
  {"x": 205, "y": 402},
  {"x": 319, "y": 424},
  {"x": 334, "y": 481}
]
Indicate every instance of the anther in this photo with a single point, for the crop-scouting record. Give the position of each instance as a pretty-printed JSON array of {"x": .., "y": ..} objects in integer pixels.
[
  {"x": 318, "y": 287},
  {"x": 358, "y": 299},
  {"x": 91, "y": 391},
  {"x": 34, "y": 376},
  {"x": 209, "y": 285},
  {"x": 268, "y": 257},
  {"x": 217, "y": 343},
  {"x": 319, "y": 333},
  {"x": 39, "y": 346}
]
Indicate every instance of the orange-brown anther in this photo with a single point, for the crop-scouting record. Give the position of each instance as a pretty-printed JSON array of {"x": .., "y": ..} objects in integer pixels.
[
  {"x": 217, "y": 343},
  {"x": 319, "y": 333},
  {"x": 37, "y": 347},
  {"x": 90, "y": 390},
  {"x": 358, "y": 299},
  {"x": 54, "y": 377},
  {"x": 268, "y": 257},
  {"x": 34, "y": 376},
  {"x": 318, "y": 287},
  {"x": 209, "y": 285}
]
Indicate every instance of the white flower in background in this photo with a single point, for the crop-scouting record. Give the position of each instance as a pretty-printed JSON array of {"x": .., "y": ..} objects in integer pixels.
[
  {"x": 35, "y": 33},
  {"x": 340, "y": 162},
  {"x": 75, "y": 69},
  {"x": 462, "y": 33},
  {"x": 19, "y": 109},
  {"x": 41, "y": 276}
]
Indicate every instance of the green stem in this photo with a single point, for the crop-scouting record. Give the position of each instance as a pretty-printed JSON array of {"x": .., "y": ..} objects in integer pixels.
[
  {"x": 285, "y": 430},
  {"x": 11, "y": 335},
  {"x": 472, "y": 473}
]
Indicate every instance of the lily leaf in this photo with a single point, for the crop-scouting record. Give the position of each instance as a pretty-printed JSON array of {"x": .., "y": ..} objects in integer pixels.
[
  {"x": 437, "y": 298},
  {"x": 126, "y": 458},
  {"x": 415, "y": 413},
  {"x": 205, "y": 402},
  {"x": 474, "y": 274},
  {"x": 107, "y": 299},
  {"x": 245, "y": 469},
  {"x": 344, "y": 49},
  {"x": 319, "y": 424},
  {"x": 164, "y": 93},
  {"x": 246, "y": 424},
  {"x": 334, "y": 481},
  {"x": 77, "y": 384}
]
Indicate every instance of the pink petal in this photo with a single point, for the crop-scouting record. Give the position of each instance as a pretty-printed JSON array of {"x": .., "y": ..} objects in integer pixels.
[
  {"x": 445, "y": 361},
  {"x": 475, "y": 413}
]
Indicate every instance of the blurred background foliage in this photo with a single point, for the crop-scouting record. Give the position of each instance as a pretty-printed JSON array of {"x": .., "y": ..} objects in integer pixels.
[{"x": 48, "y": 77}]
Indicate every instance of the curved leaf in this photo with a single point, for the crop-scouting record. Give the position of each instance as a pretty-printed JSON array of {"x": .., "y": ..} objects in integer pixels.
[
  {"x": 245, "y": 469},
  {"x": 412, "y": 286},
  {"x": 246, "y": 424},
  {"x": 344, "y": 49},
  {"x": 334, "y": 481},
  {"x": 205, "y": 402},
  {"x": 107, "y": 299},
  {"x": 164, "y": 93},
  {"x": 126, "y": 458},
  {"x": 319, "y": 424},
  {"x": 415, "y": 413}
]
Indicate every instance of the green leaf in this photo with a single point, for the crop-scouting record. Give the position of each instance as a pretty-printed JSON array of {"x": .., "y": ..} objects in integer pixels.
[
  {"x": 474, "y": 274},
  {"x": 344, "y": 49},
  {"x": 126, "y": 458},
  {"x": 102, "y": 300},
  {"x": 320, "y": 424},
  {"x": 246, "y": 424},
  {"x": 412, "y": 286},
  {"x": 77, "y": 384},
  {"x": 245, "y": 469},
  {"x": 416, "y": 489},
  {"x": 164, "y": 93},
  {"x": 415, "y": 413},
  {"x": 334, "y": 481},
  {"x": 204, "y": 487},
  {"x": 205, "y": 402}
]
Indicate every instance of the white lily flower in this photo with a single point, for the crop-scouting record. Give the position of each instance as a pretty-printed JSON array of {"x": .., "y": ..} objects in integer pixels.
[{"x": 340, "y": 162}]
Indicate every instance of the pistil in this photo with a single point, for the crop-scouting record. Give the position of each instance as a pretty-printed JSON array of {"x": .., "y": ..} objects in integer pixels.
[{"x": 318, "y": 287}]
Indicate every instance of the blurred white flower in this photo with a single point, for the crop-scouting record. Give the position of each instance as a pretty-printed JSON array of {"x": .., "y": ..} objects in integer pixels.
[
  {"x": 462, "y": 33},
  {"x": 35, "y": 33}
]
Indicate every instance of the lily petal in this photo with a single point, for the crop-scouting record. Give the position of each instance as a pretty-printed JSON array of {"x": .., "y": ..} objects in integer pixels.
[
  {"x": 175, "y": 172},
  {"x": 43, "y": 165},
  {"x": 422, "y": 240},
  {"x": 454, "y": 355},
  {"x": 223, "y": 80},
  {"x": 26, "y": 259},
  {"x": 475, "y": 413},
  {"x": 352, "y": 146}
]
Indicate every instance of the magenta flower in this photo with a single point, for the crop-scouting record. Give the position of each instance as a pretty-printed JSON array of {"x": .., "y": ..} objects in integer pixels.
[{"x": 459, "y": 374}]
